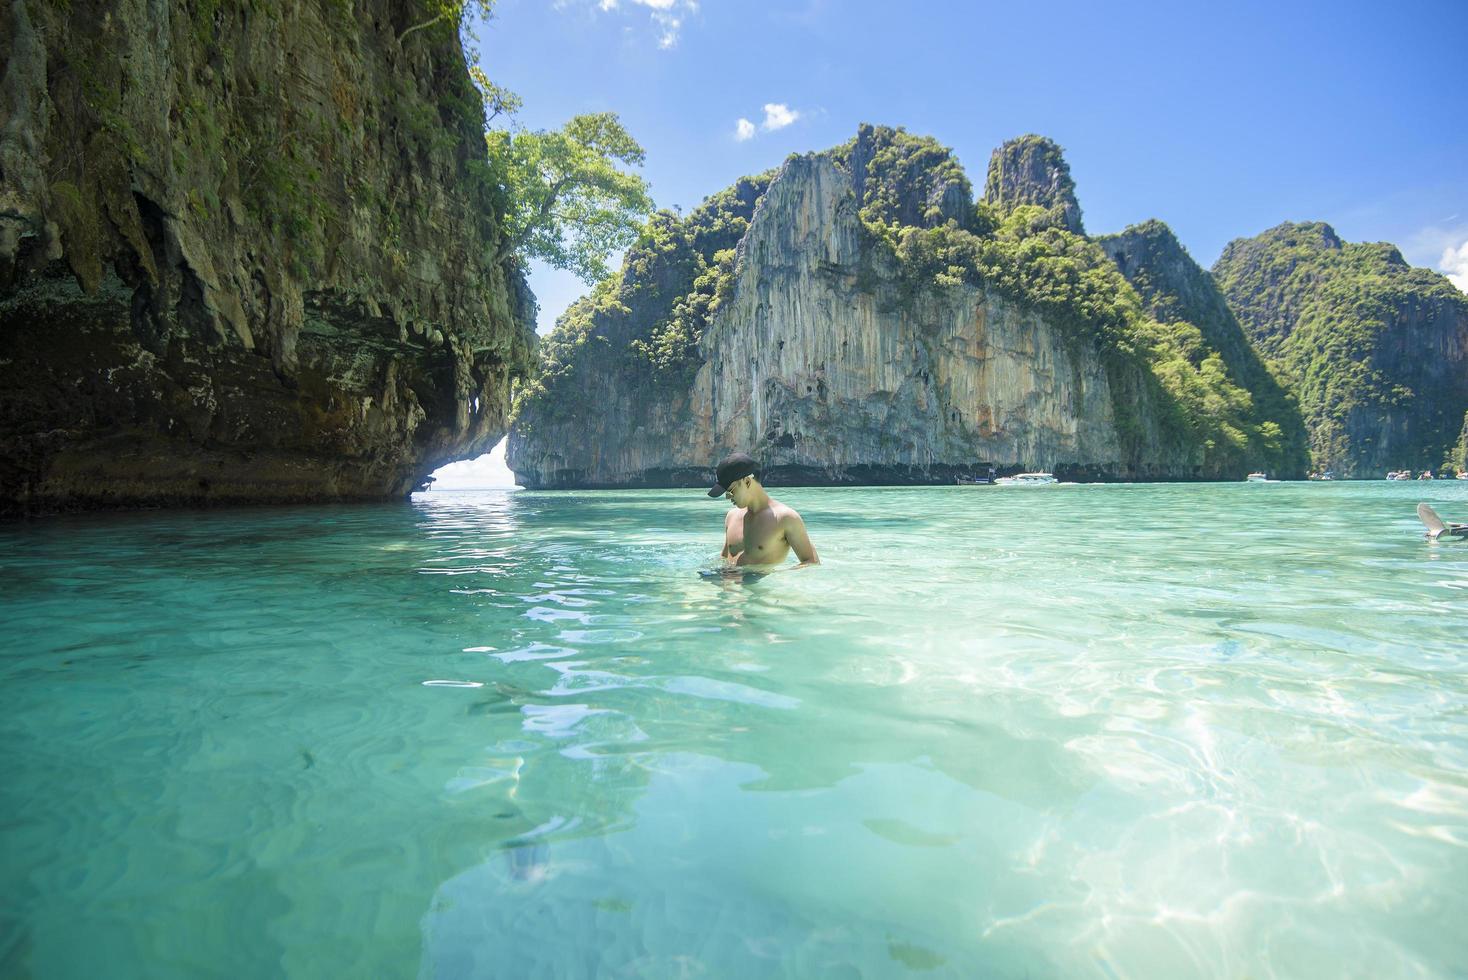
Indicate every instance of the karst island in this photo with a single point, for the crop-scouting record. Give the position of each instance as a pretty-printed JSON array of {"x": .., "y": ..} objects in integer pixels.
[{"x": 662, "y": 488}]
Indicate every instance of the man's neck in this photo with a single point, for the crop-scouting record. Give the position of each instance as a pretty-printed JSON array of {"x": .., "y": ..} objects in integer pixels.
[{"x": 759, "y": 501}]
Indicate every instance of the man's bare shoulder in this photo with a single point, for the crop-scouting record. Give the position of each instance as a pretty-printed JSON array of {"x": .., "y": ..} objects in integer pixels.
[
  {"x": 784, "y": 512},
  {"x": 786, "y": 515}
]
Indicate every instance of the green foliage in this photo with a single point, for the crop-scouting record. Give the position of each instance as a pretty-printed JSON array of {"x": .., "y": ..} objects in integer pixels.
[
  {"x": 202, "y": 18},
  {"x": 1336, "y": 317},
  {"x": 1031, "y": 170},
  {"x": 67, "y": 196},
  {"x": 550, "y": 391},
  {"x": 652, "y": 315},
  {"x": 679, "y": 274},
  {"x": 1175, "y": 291},
  {"x": 904, "y": 177},
  {"x": 1457, "y": 458},
  {"x": 434, "y": 129},
  {"x": 498, "y": 100},
  {"x": 1032, "y": 259},
  {"x": 455, "y": 13},
  {"x": 1028, "y": 259},
  {"x": 280, "y": 185},
  {"x": 672, "y": 347},
  {"x": 1035, "y": 153},
  {"x": 565, "y": 196}
]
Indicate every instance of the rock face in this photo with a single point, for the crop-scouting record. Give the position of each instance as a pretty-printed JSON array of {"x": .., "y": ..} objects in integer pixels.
[
  {"x": 1032, "y": 170},
  {"x": 850, "y": 328},
  {"x": 1177, "y": 291},
  {"x": 246, "y": 254},
  {"x": 1375, "y": 350}
]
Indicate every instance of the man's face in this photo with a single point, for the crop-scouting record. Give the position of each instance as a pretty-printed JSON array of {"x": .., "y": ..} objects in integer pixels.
[{"x": 738, "y": 491}]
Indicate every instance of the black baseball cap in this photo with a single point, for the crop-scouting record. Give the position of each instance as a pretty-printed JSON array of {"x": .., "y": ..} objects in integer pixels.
[{"x": 735, "y": 466}]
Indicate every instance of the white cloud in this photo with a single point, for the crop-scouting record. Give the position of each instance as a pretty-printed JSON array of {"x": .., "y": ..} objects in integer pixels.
[
  {"x": 667, "y": 15},
  {"x": 1455, "y": 264},
  {"x": 1447, "y": 242},
  {"x": 778, "y": 115},
  {"x": 1424, "y": 246}
]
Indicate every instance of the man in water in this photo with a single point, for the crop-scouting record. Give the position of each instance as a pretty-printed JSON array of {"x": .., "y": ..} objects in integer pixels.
[{"x": 758, "y": 530}]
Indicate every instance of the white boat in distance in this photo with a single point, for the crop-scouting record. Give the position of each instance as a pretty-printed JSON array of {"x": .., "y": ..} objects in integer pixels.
[
  {"x": 1026, "y": 480},
  {"x": 1258, "y": 478}
]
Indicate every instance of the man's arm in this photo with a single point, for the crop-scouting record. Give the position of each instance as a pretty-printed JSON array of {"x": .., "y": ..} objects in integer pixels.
[
  {"x": 798, "y": 540},
  {"x": 728, "y": 517}
]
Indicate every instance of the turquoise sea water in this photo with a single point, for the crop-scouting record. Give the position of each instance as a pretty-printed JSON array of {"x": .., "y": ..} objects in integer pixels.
[{"x": 1087, "y": 731}]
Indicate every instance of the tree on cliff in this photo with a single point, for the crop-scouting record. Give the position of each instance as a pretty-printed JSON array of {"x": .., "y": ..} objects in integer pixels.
[
  {"x": 567, "y": 198},
  {"x": 1458, "y": 456},
  {"x": 454, "y": 12}
]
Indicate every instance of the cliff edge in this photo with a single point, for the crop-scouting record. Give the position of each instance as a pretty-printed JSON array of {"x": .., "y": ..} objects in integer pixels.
[
  {"x": 857, "y": 317},
  {"x": 246, "y": 255},
  {"x": 1375, "y": 350}
]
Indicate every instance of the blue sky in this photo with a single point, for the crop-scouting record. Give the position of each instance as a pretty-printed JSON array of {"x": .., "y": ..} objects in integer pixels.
[{"x": 1222, "y": 119}]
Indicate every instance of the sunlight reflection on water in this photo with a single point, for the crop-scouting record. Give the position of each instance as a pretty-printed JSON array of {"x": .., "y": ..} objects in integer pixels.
[{"x": 1099, "y": 731}]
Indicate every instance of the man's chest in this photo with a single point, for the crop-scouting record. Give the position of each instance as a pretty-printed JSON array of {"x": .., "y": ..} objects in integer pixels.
[{"x": 755, "y": 535}]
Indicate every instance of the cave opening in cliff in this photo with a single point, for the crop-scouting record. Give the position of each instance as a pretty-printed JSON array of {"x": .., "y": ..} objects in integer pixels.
[{"x": 486, "y": 472}]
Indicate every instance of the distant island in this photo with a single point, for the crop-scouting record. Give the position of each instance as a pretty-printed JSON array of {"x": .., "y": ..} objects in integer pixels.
[
  {"x": 278, "y": 255},
  {"x": 1376, "y": 351},
  {"x": 857, "y": 316}
]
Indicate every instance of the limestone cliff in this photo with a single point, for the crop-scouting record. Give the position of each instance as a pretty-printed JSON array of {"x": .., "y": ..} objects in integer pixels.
[
  {"x": 856, "y": 317},
  {"x": 1375, "y": 350},
  {"x": 1031, "y": 170},
  {"x": 246, "y": 254},
  {"x": 1181, "y": 294}
]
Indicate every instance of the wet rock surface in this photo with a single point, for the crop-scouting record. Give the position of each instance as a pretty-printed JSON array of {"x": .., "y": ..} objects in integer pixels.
[{"x": 246, "y": 255}]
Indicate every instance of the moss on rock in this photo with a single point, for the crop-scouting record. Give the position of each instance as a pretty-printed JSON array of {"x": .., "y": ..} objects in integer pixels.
[{"x": 245, "y": 174}]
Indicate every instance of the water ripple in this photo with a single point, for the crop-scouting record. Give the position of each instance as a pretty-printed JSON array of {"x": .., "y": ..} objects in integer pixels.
[{"x": 518, "y": 734}]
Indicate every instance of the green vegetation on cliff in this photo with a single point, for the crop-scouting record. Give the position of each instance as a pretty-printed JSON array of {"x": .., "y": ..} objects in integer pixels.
[
  {"x": 651, "y": 314},
  {"x": 1179, "y": 383},
  {"x": 271, "y": 229},
  {"x": 1372, "y": 347},
  {"x": 1028, "y": 253},
  {"x": 1031, "y": 170},
  {"x": 1179, "y": 293},
  {"x": 905, "y": 180},
  {"x": 1459, "y": 458}
]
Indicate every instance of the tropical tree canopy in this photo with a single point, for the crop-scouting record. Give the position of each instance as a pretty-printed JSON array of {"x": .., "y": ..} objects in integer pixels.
[{"x": 568, "y": 198}]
